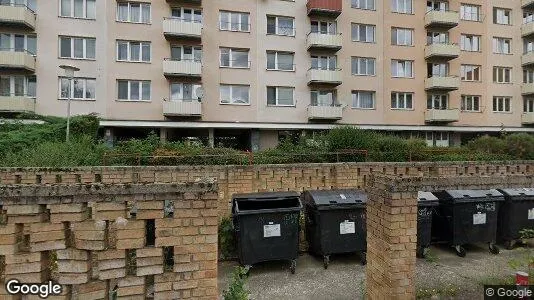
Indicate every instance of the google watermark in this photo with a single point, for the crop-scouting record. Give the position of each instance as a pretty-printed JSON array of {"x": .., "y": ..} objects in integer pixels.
[
  {"x": 43, "y": 290},
  {"x": 508, "y": 292}
]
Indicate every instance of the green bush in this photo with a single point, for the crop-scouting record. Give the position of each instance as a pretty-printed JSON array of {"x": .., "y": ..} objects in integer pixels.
[
  {"x": 236, "y": 289},
  {"x": 227, "y": 241}
]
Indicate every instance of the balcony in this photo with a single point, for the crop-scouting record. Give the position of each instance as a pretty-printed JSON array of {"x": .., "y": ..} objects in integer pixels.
[
  {"x": 527, "y": 4},
  {"x": 327, "y": 8},
  {"x": 17, "y": 60},
  {"x": 325, "y": 112},
  {"x": 527, "y": 58},
  {"x": 331, "y": 77},
  {"x": 442, "y": 19},
  {"x": 527, "y": 89},
  {"x": 442, "y": 83},
  {"x": 442, "y": 50},
  {"x": 527, "y": 29},
  {"x": 14, "y": 14},
  {"x": 176, "y": 27},
  {"x": 527, "y": 118},
  {"x": 17, "y": 104},
  {"x": 182, "y": 108},
  {"x": 442, "y": 115},
  {"x": 182, "y": 68},
  {"x": 317, "y": 40}
]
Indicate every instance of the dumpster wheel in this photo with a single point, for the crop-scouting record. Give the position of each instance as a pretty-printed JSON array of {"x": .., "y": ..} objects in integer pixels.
[
  {"x": 326, "y": 261},
  {"x": 293, "y": 266},
  {"x": 460, "y": 251},
  {"x": 494, "y": 249}
]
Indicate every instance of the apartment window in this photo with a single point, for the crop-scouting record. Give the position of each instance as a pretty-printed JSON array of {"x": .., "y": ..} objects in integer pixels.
[
  {"x": 234, "y": 94},
  {"x": 187, "y": 14},
  {"x": 470, "y": 103},
  {"x": 84, "y": 9},
  {"x": 402, "y": 6},
  {"x": 363, "y": 33},
  {"x": 470, "y": 12},
  {"x": 18, "y": 43},
  {"x": 186, "y": 53},
  {"x": 234, "y": 58},
  {"x": 31, "y": 4},
  {"x": 186, "y": 92},
  {"x": 131, "y": 51},
  {"x": 79, "y": 88},
  {"x": 280, "y": 96},
  {"x": 134, "y": 90},
  {"x": 437, "y": 69},
  {"x": 437, "y": 101},
  {"x": 401, "y": 100},
  {"x": 470, "y": 72},
  {"x": 502, "y": 104},
  {"x": 282, "y": 61},
  {"x": 437, "y": 38},
  {"x": 437, "y": 5},
  {"x": 363, "y": 4},
  {"x": 469, "y": 42},
  {"x": 363, "y": 66},
  {"x": 528, "y": 76},
  {"x": 323, "y": 27},
  {"x": 402, "y": 36},
  {"x": 281, "y": 25},
  {"x": 528, "y": 46},
  {"x": 363, "y": 99},
  {"x": 402, "y": 68},
  {"x": 77, "y": 47},
  {"x": 22, "y": 86},
  {"x": 502, "y": 45},
  {"x": 528, "y": 105},
  {"x": 133, "y": 12},
  {"x": 502, "y": 75},
  {"x": 502, "y": 16},
  {"x": 528, "y": 16},
  {"x": 323, "y": 98},
  {"x": 234, "y": 21},
  {"x": 324, "y": 62},
  {"x": 437, "y": 139}
]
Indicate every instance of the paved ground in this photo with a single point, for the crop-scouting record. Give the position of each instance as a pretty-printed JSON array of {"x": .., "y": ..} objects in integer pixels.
[{"x": 345, "y": 277}]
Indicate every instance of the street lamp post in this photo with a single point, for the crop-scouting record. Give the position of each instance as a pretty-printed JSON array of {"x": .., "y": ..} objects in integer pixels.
[{"x": 69, "y": 73}]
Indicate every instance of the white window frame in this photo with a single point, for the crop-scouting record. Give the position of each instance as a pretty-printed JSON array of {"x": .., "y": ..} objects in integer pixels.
[
  {"x": 322, "y": 96},
  {"x": 403, "y": 65},
  {"x": 437, "y": 139},
  {"x": 469, "y": 101},
  {"x": 434, "y": 37},
  {"x": 231, "y": 57},
  {"x": 277, "y": 96},
  {"x": 355, "y": 27},
  {"x": 12, "y": 42},
  {"x": 402, "y": 7},
  {"x": 72, "y": 38},
  {"x": 181, "y": 98},
  {"x": 528, "y": 76},
  {"x": 442, "y": 101},
  {"x": 194, "y": 51},
  {"x": 466, "y": 70},
  {"x": 242, "y": 27},
  {"x": 276, "y": 63},
  {"x": 403, "y": 36},
  {"x": 502, "y": 16},
  {"x": 528, "y": 16},
  {"x": 363, "y": 61},
  {"x": 401, "y": 101},
  {"x": 277, "y": 27},
  {"x": 330, "y": 26},
  {"x": 129, "y": 53},
  {"x": 363, "y": 4},
  {"x": 71, "y": 15},
  {"x": 357, "y": 100},
  {"x": 25, "y": 87},
  {"x": 142, "y": 5},
  {"x": 470, "y": 40},
  {"x": 71, "y": 88},
  {"x": 500, "y": 73},
  {"x": 470, "y": 12},
  {"x": 500, "y": 103},
  {"x": 194, "y": 14},
  {"x": 141, "y": 83},
  {"x": 232, "y": 101},
  {"x": 528, "y": 105},
  {"x": 502, "y": 45}
]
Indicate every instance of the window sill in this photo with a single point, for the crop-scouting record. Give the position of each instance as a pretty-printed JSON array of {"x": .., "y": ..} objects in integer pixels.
[
  {"x": 472, "y": 51},
  {"x": 134, "y": 101},
  {"x": 137, "y": 23},
  {"x": 496, "y": 53},
  {"x": 400, "y": 77},
  {"x": 278, "y": 70},
  {"x": 282, "y": 106},
  {"x": 77, "y": 18},
  {"x": 403, "y": 13},
  {"x": 77, "y": 99},
  {"x": 471, "y": 111},
  {"x": 282, "y": 35},
  {"x": 133, "y": 62},
  {"x": 237, "y": 104},
  {"x": 237, "y": 68},
  {"x": 75, "y": 58},
  {"x": 359, "y": 108},
  {"x": 365, "y": 42},
  {"x": 402, "y": 109},
  {"x": 408, "y": 46},
  {"x": 471, "y": 81},
  {"x": 364, "y": 75},
  {"x": 228, "y": 30},
  {"x": 366, "y": 9},
  {"x": 503, "y": 112}
]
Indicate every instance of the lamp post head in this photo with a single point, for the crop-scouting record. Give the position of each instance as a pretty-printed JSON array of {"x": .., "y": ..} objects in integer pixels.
[{"x": 69, "y": 70}]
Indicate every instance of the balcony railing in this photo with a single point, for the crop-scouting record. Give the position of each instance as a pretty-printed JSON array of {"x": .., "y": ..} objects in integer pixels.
[
  {"x": 182, "y": 108},
  {"x": 17, "y": 104},
  {"x": 330, "y": 8},
  {"x": 527, "y": 29},
  {"x": 324, "y": 76},
  {"x": 527, "y": 89},
  {"x": 442, "y": 115},
  {"x": 442, "y": 50},
  {"x": 17, "y": 14},
  {"x": 527, "y": 118},
  {"x": 184, "y": 67},
  {"x": 179, "y": 27},
  {"x": 317, "y": 40},
  {"x": 445, "y": 83},
  {"x": 325, "y": 112},
  {"x": 442, "y": 18},
  {"x": 527, "y": 58},
  {"x": 17, "y": 59}
]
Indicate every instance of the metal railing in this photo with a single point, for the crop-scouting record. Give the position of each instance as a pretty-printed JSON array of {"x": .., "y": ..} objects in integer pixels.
[
  {"x": 183, "y": 59},
  {"x": 183, "y": 20}
]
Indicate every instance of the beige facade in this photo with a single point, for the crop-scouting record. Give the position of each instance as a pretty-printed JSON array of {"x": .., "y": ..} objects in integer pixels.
[{"x": 495, "y": 105}]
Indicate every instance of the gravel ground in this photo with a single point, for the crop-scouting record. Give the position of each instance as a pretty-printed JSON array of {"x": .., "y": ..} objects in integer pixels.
[{"x": 345, "y": 277}]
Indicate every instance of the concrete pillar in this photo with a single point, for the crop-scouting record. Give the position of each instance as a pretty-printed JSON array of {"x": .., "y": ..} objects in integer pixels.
[
  {"x": 109, "y": 137},
  {"x": 255, "y": 140},
  {"x": 163, "y": 135},
  {"x": 211, "y": 137}
]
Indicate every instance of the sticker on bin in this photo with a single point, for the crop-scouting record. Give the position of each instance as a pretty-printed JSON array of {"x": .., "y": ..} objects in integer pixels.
[
  {"x": 347, "y": 227},
  {"x": 271, "y": 230},
  {"x": 479, "y": 219},
  {"x": 531, "y": 214}
]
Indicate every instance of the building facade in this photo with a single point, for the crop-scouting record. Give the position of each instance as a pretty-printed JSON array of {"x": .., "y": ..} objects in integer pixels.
[{"x": 247, "y": 73}]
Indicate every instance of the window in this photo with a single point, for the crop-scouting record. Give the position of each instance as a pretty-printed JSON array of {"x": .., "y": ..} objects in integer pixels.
[
  {"x": 528, "y": 46},
  {"x": 234, "y": 58},
  {"x": 134, "y": 90},
  {"x": 470, "y": 12},
  {"x": 402, "y": 36},
  {"x": 470, "y": 42},
  {"x": 283, "y": 61},
  {"x": 502, "y": 75},
  {"x": 281, "y": 25},
  {"x": 77, "y": 47},
  {"x": 363, "y": 33},
  {"x": 528, "y": 76},
  {"x": 528, "y": 16},
  {"x": 363, "y": 4},
  {"x": 437, "y": 38},
  {"x": 133, "y": 12},
  {"x": 131, "y": 51},
  {"x": 324, "y": 62},
  {"x": 323, "y": 98},
  {"x": 470, "y": 103},
  {"x": 437, "y": 69},
  {"x": 437, "y": 101},
  {"x": 502, "y": 45},
  {"x": 502, "y": 104},
  {"x": 470, "y": 72},
  {"x": 185, "y": 92},
  {"x": 18, "y": 43},
  {"x": 234, "y": 94},
  {"x": 21, "y": 86},
  {"x": 31, "y": 4},
  {"x": 363, "y": 99},
  {"x": 501, "y": 16},
  {"x": 402, "y": 68},
  {"x": 79, "y": 88},
  {"x": 323, "y": 27},
  {"x": 437, "y": 5},
  {"x": 528, "y": 105},
  {"x": 84, "y": 9},
  {"x": 402, "y": 6},
  {"x": 234, "y": 21},
  {"x": 186, "y": 53},
  {"x": 363, "y": 66},
  {"x": 437, "y": 139},
  {"x": 280, "y": 96},
  {"x": 401, "y": 100},
  {"x": 187, "y": 14}
]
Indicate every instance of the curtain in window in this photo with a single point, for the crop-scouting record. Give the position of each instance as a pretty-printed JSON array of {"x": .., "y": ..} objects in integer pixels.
[
  {"x": 32, "y": 86},
  {"x": 78, "y": 8},
  {"x": 134, "y": 90},
  {"x": 285, "y": 96},
  {"x": 285, "y": 61},
  {"x": 91, "y": 9},
  {"x": 90, "y": 48},
  {"x": 123, "y": 12},
  {"x": 90, "y": 89},
  {"x": 65, "y": 88},
  {"x": 135, "y": 13},
  {"x": 65, "y": 8},
  {"x": 78, "y": 88},
  {"x": 176, "y": 91},
  {"x": 146, "y": 52},
  {"x": 78, "y": 48},
  {"x": 145, "y": 13},
  {"x": 31, "y": 42},
  {"x": 285, "y": 26},
  {"x": 123, "y": 89},
  {"x": 5, "y": 42},
  {"x": 240, "y": 59},
  {"x": 5, "y": 86},
  {"x": 135, "y": 51},
  {"x": 225, "y": 57},
  {"x": 146, "y": 90}
]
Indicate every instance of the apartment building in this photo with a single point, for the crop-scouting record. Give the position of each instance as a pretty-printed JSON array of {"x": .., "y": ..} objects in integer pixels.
[{"x": 247, "y": 73}]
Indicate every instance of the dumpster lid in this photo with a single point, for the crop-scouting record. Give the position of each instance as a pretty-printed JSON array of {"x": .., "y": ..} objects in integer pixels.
[
  {"x": 264, "y": 196},
  {"x": 518, "y": 192},
  {"x": 426, "y": 196},
  {"x": 337, "y": 197},
  {"x": 465, "y": 195}
]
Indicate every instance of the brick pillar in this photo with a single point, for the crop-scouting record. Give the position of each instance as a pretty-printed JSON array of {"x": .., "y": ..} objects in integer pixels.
[{"x": 391, "y": 238}]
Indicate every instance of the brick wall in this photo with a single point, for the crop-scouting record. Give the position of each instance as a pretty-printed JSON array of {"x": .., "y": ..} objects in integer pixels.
[{"x": 98, "y": 239}]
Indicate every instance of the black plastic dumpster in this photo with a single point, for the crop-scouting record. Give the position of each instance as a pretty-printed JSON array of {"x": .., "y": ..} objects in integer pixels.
[
  {"x": 427, "y": 203},
  {"x": 267, "y": 227},
  {"x": 467, "y": 217},
  {"x": 516, "y": 214},
  {"x": 335, "y": 222}
]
